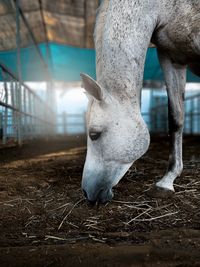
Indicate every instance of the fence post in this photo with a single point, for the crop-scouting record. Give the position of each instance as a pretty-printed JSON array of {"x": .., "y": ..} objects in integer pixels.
[
  {"x": 198, "y": 114},
  {"x": 18, "y": 92},
  {"x": 191, "y": 116},
  {"x": 85, "y": 123},
  {"x": 19, "y": 87},
  {"x": 64, "y": 119},
  {"x": 13, "y": 103},
  {"x": 1, "y": 126},
  {"x": 25, "y": 111},
  {"x": 5, "y": 124}
]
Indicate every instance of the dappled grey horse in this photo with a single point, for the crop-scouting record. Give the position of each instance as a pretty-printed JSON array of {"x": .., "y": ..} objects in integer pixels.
[{"x": 117, "y": 134}]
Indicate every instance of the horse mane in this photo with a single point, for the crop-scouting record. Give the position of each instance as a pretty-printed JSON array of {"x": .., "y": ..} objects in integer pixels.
[{"x": 99, "y": 29}]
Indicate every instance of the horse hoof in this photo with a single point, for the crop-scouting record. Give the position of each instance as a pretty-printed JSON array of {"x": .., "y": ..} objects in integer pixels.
[{"x": 160, "y": 192}]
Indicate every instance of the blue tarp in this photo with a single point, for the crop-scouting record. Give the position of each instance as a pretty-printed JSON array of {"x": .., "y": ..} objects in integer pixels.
[{"x": 67, "y": 62}]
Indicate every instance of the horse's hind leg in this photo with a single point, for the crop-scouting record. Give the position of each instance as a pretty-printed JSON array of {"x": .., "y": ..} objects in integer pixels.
[{"x": 175, "y": 78}]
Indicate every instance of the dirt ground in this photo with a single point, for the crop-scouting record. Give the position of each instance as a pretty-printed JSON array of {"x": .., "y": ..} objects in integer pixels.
[{"x": 44, "y": 220}]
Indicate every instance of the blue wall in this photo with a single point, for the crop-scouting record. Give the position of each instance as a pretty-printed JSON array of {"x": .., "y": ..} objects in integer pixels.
[{"x": 68, "y": 62}]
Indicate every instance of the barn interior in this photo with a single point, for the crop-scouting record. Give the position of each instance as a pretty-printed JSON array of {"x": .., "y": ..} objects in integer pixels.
[{"x": 45, "y": 219}]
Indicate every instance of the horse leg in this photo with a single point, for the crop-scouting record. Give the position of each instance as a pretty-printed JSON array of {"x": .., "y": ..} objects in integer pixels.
[{"x": 175, "y": 78}]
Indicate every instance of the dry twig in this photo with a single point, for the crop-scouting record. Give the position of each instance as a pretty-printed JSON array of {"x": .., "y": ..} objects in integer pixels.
[{"x": 67, "y": 215}]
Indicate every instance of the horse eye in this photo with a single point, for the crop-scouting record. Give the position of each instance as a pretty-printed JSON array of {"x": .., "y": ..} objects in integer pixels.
[{"x": 94, "y": 135}]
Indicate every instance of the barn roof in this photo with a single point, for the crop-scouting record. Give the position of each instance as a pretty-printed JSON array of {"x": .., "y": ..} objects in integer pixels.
[
  {"x": 62, "y": 21},
  {"x": 55, "y": 35}
]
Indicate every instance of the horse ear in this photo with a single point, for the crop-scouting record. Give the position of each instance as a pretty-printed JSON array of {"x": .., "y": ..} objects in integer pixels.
[{"x": 92, "y": 87}]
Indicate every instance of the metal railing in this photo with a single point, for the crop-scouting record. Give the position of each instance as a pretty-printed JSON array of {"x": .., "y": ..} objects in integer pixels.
[
  {"x": 69, "y": 124},
  {"x": 156, "y": 119},
  {"x": 23, "y": 114},
  {"x": 159, "y": 116}
]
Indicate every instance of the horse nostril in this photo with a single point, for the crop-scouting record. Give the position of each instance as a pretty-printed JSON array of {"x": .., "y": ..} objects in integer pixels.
[
  {"x": 92, "y": 203},
  {"x": 85, "y": 193}
]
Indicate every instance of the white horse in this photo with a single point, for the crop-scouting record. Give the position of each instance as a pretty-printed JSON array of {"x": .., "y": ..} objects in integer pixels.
[{"x": 117, "y": 134}]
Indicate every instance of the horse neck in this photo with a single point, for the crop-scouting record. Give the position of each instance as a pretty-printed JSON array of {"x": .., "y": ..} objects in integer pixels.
[{"x": 122, "y": 36}]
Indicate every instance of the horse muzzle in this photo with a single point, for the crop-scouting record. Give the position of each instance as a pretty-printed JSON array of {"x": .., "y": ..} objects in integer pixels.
[{"x": 98, "y": 195}]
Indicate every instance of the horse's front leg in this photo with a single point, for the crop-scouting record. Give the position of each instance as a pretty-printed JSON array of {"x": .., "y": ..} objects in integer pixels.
[{"x": 175, "y": 78}]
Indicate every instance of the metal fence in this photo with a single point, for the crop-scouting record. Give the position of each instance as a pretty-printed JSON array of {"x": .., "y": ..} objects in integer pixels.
[
  {"x": 23, "y": 114},
  {"x": 158, "y": 116},
  {"x": 156, "y": 119},
  {"x": 70, "y": 124}
]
